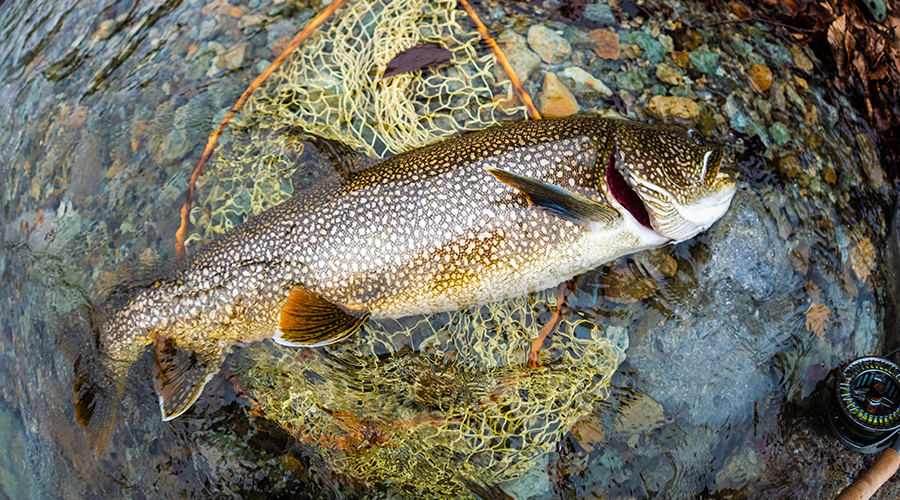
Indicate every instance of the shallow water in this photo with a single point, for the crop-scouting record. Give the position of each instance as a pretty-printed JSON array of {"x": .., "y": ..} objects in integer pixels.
[{"x": 104, "y": 110}]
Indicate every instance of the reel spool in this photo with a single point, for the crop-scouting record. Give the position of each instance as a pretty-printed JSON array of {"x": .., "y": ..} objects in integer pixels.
[{"x": 864, "y": 411}]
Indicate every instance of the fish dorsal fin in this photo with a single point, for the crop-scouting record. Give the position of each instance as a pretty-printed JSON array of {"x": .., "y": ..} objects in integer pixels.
[
  {"x": 310, "y": 320},
  {"x": 558, "y": 201},
  {"x": 179, "y": 375}
]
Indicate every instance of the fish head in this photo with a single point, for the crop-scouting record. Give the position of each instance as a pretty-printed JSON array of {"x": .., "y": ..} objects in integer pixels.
[{"x": 669, "y": 178}]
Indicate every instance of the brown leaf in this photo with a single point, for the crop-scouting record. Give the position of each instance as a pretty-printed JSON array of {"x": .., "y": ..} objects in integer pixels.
[
  {"x": 816, "y": 318},
  {"x": 417, "y": 57},
  {"x": 739, "y": 9},
  {"x": 859, "y": 63},
  {"x": 836, "y": 40},
  {"x": 588, "y": 430},
  {"x": 862, "y": 258},
  {"x": 607, "y": 43}
]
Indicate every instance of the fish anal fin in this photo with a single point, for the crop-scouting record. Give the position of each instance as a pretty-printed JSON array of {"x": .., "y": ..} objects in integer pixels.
[
  {"x": 310, "y": 320},
  {"x": 179, "y": 375},
  {"x": 557, "y": 201}
]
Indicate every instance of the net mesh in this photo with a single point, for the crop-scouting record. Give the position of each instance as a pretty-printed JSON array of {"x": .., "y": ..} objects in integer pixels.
[
  {"x": 423, "y": 405},
  {"x": 332, "y": 88},
  {"x": 419, "y": 404}
]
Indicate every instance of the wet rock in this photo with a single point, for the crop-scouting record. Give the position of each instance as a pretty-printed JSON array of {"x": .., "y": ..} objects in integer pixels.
[
  {"x": 739, "y": 468},
  {"x": 657, "y": 473},
  {"x": 600, "y": 12},
  {"x": 669, "y": 108},
  {"x": 175, "y": 145},
  {"x": 207, "y": 28},
  {"x": 790, "y": 166},
  {"x": 681, "y": 58},
  {"x": 607, "y": 43},
  {"x": 629, "y": 51},
  {"x": 549, "y": 46},
  {"x": 533, "y": 485},
  {"x": 651, "y": 49},
  {"x": 583, "y": 83},
  {"x": 760, "y": 77},
  {"x": 632, "y": 80},
  {"x": 523, "y": 60},
  {"x": 744, "y": 289},
  {"x": 669, "y": 74},
  {"x": 229, "y": 59},
  {"x": 555, "y": 99},
  {"x": 705, "y": 61},
  {"x": 800, "y": 59},
  {"x": 794, "y": 98},
  {"x": 779, "y": 133},
  {"x": 638, "y": 416},
  {"x": 870, "y": 164},
  {"x": 776, "y": 97}
]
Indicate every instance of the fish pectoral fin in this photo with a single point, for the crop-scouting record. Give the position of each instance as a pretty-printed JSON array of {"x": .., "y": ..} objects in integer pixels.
[
  {"x": 180, "y": 373},
  {"x": 558, "y": 201},
  {"x": 310, "y": 320}
]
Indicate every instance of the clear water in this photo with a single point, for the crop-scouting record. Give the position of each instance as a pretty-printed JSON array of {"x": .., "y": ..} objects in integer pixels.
[{"x": 104, "y": 109}]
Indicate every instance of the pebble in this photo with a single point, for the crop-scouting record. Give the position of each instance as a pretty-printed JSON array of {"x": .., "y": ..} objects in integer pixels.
[
  {"x": 584, "y": 83},
  {"x": 551, "y": 47},
  {"x": 680, "y": 108},
  {"x": 231, "y": 59},
  {"x": 800, "y": 59},
  {"x": 607, "y": 43},
  {"x": 669, "y": 74},
  {"x": 794, "y": 98},
  {"x": 555, "y": 99},
  {"x": 600, "y": 12},
  {"x": 522, "y": 59},
  {"x": 779, "y": 133},
  {"x": 760, "y": 77},
  {"x": 705, "y": 61}
]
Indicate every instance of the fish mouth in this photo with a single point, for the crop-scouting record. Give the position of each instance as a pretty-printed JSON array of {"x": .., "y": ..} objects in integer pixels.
[{"x": 625, "y": 195}]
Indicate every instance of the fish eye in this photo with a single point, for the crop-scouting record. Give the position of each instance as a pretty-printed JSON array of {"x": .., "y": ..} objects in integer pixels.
[{"x": 697, "y": 137}]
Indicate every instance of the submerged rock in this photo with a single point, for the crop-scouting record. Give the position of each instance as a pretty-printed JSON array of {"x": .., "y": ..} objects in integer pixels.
[{"x": 696, "y": 361}]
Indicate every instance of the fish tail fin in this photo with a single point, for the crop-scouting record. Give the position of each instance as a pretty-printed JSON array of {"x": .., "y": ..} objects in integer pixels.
[
  {"x": 99, "y": 385},
  {"x": 99, "y": 380}
]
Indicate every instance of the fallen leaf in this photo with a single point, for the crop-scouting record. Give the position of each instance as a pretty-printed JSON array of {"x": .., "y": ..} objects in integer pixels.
[
  {"x": 588, "y": 430},
  {"x": 816, "y": 317},
  {"x": 607, "y": 45},
  {"x": 836, "y": 40},
  {"x": 739, "y": 9},
  {"x": 862, "y": 258},
  {"x": 417, "y": 57}
]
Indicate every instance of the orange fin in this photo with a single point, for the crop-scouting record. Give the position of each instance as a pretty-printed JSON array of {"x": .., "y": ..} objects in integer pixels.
[
  {"x": 179, "y": 375},
  {"x": 310, "y": 320}
]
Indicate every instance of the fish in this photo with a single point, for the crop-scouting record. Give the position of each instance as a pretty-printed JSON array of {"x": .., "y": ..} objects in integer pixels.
[{"x": 481, "y": 217}]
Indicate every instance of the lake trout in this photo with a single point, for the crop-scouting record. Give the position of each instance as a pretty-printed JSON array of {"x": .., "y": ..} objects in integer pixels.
[{"x": 484, "y": 216}]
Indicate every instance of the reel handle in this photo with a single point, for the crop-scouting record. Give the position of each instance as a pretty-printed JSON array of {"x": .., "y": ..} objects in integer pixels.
[{"x": 866, "y": 485}]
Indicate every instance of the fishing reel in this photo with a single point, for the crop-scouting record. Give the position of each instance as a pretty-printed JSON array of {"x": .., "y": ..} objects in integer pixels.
[{"x": 864, "y": 410}]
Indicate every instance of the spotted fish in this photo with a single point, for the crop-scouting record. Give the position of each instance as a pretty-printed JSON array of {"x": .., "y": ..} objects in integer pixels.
[{"x": 481, "y": 217}]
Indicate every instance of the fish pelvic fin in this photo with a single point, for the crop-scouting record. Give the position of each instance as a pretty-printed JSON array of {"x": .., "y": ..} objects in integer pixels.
[
  {"x": 310, "y": 320},
  {"x": 557, "y": 201},
  {"x": 180, "y": 373}
]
